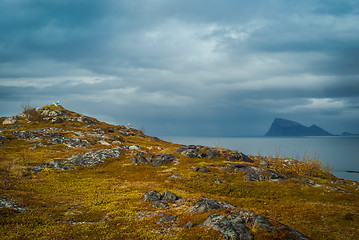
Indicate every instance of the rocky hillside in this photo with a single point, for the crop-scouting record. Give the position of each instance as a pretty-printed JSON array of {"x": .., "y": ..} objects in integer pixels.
[{"x": 68, "y": 176}]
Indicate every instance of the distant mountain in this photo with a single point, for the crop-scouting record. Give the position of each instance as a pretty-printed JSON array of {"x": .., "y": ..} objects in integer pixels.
[
  {"x": 284, "y": 127},
  {"x": 349, "y": 134}
]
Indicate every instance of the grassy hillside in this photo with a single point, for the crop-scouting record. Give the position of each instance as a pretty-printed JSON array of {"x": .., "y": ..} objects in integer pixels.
[{"x": 105, "y": 200}]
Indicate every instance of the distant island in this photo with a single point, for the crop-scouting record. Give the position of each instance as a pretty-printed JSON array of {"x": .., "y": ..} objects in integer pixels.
[
  {"x": 284, "y": 127},
  {"x": 349, "y": 134}
]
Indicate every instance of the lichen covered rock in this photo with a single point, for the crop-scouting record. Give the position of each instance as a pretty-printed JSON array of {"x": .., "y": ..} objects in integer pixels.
[
  {"x": 207, "y": 204},
  {"x": 85, "y": 159}
]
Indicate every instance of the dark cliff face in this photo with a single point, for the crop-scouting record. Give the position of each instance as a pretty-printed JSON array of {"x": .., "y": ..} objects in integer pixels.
[{"x": 284, "y": 127}]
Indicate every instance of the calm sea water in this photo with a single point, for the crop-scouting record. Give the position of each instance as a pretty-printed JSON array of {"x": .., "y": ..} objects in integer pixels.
[{"x": 341, "y": 153}]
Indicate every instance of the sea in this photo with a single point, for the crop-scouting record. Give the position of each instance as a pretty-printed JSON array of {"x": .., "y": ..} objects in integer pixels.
[{"x": 341, "y": 153}]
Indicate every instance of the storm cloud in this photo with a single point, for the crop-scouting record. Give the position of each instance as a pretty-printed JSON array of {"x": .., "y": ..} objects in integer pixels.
[{"x": 209, "y": 68}]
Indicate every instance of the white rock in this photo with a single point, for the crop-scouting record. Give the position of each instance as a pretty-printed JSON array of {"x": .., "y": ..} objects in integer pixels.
[
  {"x": 10, "y": 120},
  {"x": 104, "y": 143},
  {"x": 134, "y": 147}
]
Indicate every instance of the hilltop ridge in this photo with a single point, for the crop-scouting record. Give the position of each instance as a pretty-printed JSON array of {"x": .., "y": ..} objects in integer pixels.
[{"x": 65, "y": 175}]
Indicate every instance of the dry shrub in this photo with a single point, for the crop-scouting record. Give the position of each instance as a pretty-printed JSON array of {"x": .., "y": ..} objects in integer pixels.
[{"x": 30, "y": 112}]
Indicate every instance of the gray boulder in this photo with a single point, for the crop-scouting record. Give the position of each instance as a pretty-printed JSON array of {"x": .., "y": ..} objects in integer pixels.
[
  {"x": 264, "y": 163},
  {"x": 94, "y": 157},
  {"x": 188, "y": 225},
  {"x": 138, "y": 158},
  {"x": 159, "y": 200},
  {"x": 201, "y": 169},
  {"x": 157, "y": 160},
  {"x": 152, "y": 196},
  {"x": 192, "y": 151},
  {"x": 176, "y": 176},
  {"x": 258, "y": 174},
  {"x": 160, "y": 204},
  {"x": 169, "y": 196},
  {"x": 206, "y": 204},
  {"x": 56, "y": 164},
  {"x": 70, "y": 142},
  {"x": 85, "y": 159},
  {"x": 26, "y": 135},
  {"x": 236, "y": 225},
  {"x": 9, "y": 204},
  {"x": 212, "y": 153},
  {"x": 57, "y": 120},
  {"x": 167, "y": 218},
  {"x": 55, "y": 137},
  {"x": 155, "y": 198},
  {"x": 49, "y": 113},
  {"x": 10, "y": 120},
  {"x": 238, "y": 156},
  {"x": 229, "y": 228},
  {"x": 162, "y": 159}
]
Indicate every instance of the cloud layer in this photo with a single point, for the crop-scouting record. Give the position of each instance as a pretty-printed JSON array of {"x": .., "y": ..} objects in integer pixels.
[{"x": 223, "y": 68}]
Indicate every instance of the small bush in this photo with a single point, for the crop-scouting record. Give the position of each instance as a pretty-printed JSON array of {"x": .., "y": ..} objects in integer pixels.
[{"x": 30, "y": 112}]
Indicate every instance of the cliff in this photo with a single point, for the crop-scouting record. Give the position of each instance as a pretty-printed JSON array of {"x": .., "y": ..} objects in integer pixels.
[
  {"x": 64, "y": 175},
  {"x": 284, "y": 127}
]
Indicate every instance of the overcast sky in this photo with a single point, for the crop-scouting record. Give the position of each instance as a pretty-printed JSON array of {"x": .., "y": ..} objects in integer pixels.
[{"x": 178, "y": 67}]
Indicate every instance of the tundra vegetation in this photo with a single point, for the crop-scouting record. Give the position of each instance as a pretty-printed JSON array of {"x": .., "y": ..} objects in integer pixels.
[{"x": 57, "y": 183}]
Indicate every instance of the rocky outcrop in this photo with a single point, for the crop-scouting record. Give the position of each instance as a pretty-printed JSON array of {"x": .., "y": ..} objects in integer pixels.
[
  {"x": 47, "y": 113},
  {"x": 176, "y": 176},
  {"x": 94, "y": 157},
  {"x": 192, "y": 151},
  {"x": 238, "y": 156},
  {"x": 10, "y": 120},
  {"x": 70, "y": 142},
  {"x": 156, "y": 160},
  {"x": 58, "y": 116},
  {"x": 188, "y": 225},
  {"x": 213, "y": 153},
  {"x": 230, "y": 227},
  {"x": 161, "y": 159},
  {"x": 9, "y": 204},
  {"x": 159, "y": 200},
  {"x": 79, "y": 141},
  {"x": 83, "y": 159},
  {"x": 258, "y": 174},
  {"x": 237, "y": 225},
  {"x": 231, "y": 223},
  {"x": 198, "y": 151},
  {"x": 27, "y": 135},
  {"x": 201, "y": 169},
  {"x": 166, "y": 218},
  {"x": 255, "y": 173},
  {"x": 207, "y": 204},
  {"x": 57, "y": 120}
]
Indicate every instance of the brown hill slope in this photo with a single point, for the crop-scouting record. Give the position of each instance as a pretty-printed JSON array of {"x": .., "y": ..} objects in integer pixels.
[{"x": 69, "y": 176}]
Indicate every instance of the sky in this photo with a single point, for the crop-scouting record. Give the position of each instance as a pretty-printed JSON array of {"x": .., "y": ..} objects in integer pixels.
[{"x": 180, "y": 67}]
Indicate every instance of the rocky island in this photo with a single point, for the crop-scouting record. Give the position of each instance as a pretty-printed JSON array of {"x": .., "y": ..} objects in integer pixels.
[
  {"x": 69, "y": 176},
  {"x": 284, "y": 127}
]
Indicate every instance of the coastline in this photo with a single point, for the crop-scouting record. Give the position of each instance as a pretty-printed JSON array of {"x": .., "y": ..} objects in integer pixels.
[{"x": 325, "y": 148}]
